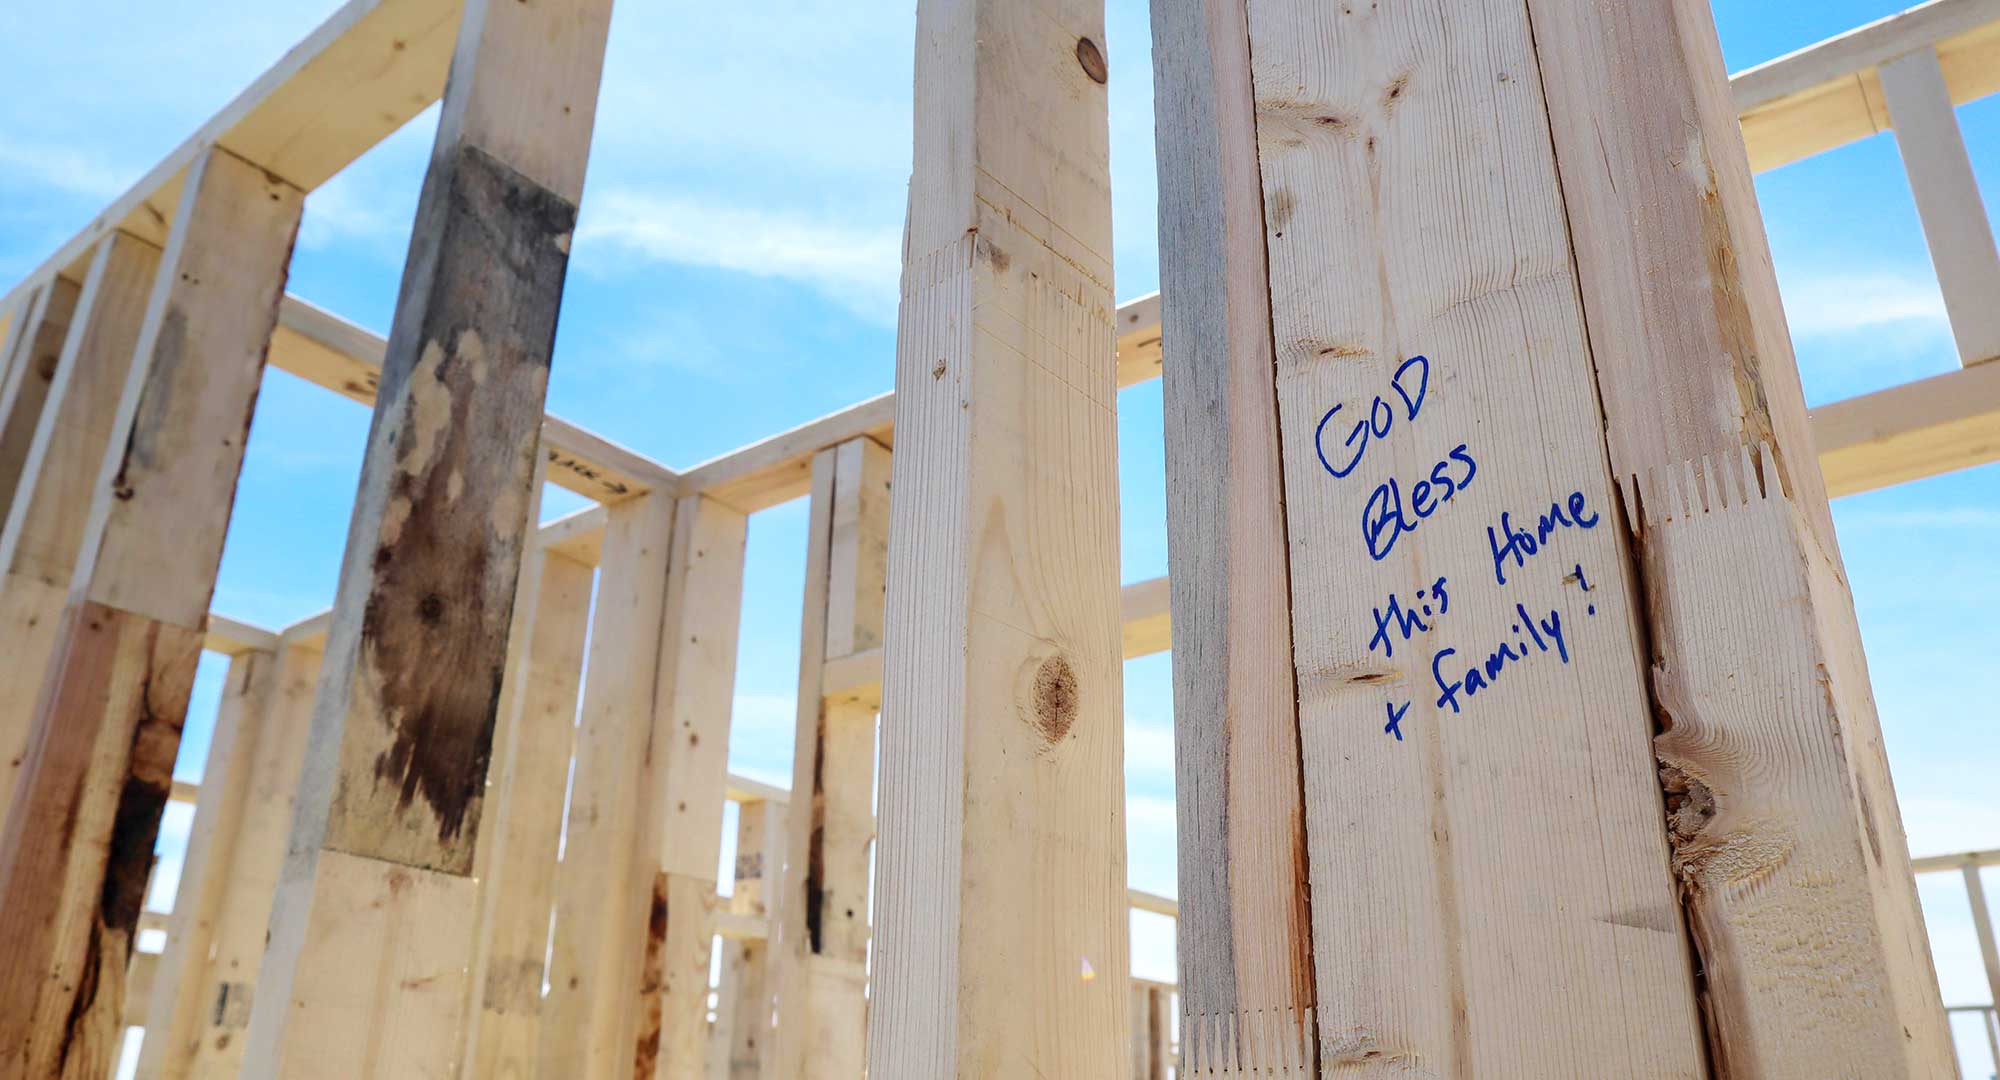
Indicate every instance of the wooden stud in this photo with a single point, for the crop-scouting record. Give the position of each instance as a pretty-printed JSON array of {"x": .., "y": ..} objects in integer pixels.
[
  {"x": 51, "y": 504},
  {"x": 391, "y": 807},
  {"x": 1245, "y": 937},
  {"x": 204, "y": 1010},
  {"x": 538, "y": 731},
  {"x": 589, "y": 1027},
  {"x": 1000, "y": 868},
  {"x": 742, "y": 1030},
  {"x": 79, "y": 838},
  {"x": 1787, "y": 841},
  {"x": 1431, "y": 374},
  {"x": 820, "y": 946},
  {"x": 682, "y": 837},
  {"x": 629, "y": 976},
  {"x": 28, "y": 375},
  {"x": 1954, "y": 218}
]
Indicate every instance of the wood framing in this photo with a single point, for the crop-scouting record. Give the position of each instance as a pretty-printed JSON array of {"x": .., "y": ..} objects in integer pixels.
[
  {"x": 203, "y": 1008},
  {"x": 1787, "y": 839},
  {"x": 630, "y": 959},
  {"x": 537, "y": 733},
  {"x": 391, "y": 805},
  {"x": 1002, "y": 942},
  {"x": 26, "y": 376},
  {"x": 51, "y": 504},
  {"x": 741, "y": 1036},
  {"x": 79, "y": 845},
  {"x": 330, "y": 352},
  {"x": 181, "y": 993},
  {"x": 1245, "y": 942},
  {"x": 819, "y": 950},
  {"x": 1947, "y": 196},
  {"x": 590, "y": 1026},
  {"x": 1431, "y": 375}
]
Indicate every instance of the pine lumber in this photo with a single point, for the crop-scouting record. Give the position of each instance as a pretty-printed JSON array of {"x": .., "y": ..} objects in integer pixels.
[
  {"x": 78, "y": 841},
  {"x": 1002, "y": 937},
  {"x": 1786, "y": 837},
  {"x": 392, "y": 804}
]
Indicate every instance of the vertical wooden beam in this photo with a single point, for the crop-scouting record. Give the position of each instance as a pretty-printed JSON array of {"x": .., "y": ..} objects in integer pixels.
[
  {"x": 589, "y": 1025},
  {"x": 1955, "y": 224},
  {"x": 79, "y": 838},
  {"x": 629, "y": 976},
  {"x": 682, "y": 838},
  {"x": 528, "y": 813},
  {"x": 28, "y": 375},
  {"x": 821, "y": 940},
  {"x": 390, "y": 812},
  {"x": 45, "y": 520},
  {"x": 743, "y": 1014},
  {"x": 1001, "y": 861},
  {"x": 207, "y": 1008},
  {"x": 1245, "y": 936},
  {"x": 1787, "y": 841},
  {"x": 1982, "y": 926},
  {"x": 1431, "y": 375},
  {"x": 181, "y": 993}
]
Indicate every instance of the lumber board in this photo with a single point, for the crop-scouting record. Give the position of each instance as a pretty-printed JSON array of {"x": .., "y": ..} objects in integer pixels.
[
  {"x": 227, "y": 984},
  {"x": 393, "y": 800},
  {"x": 79, "y": 841},
  {"x": 821, "y": 921},
  {"x": 230, "y": 637},
  {"x": 1486, "y": 767},
  {"x": 1001, "y": 945},
  {"x": 681, "y": 838},
  {"x": 180, "y": 994},
  {"x": 1954, "y": 219},
  {"x": 589, "y": 1026},
  {"x": 1919, "y": 429},
  {"x": 1829, "y": 94},
  {"x": 1245, "y": 945},
  {"x": 29, "y": 373},
  {"x": 78, "y": 848},
  {"x": 1787, "y": 841},
  {"x": 357, "y": 78},
  {"x": 45, "y": 521},
  {"x": 330, "y": 352},
  {"x": 538, "y": 726},
  {"x": 746, "y": 1001}
]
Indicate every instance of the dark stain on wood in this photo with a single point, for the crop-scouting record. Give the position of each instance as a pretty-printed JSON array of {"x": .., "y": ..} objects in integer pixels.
[
  {"x": 652, "y": 984},
  {"x": 462, "y": 391}
]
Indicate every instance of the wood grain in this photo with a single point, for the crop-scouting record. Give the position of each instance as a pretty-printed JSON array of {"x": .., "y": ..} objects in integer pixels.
[
  {"x": 1787, "y": 841},
  {"x": 79, "y": 837},
  {"x": 1000, "y": 873},
  {"x": 519, "y": 879},
  {"x": 28, "y": 376},
  {"x": 391, "y": 806},
  {"x": 1517, "y": 917},
  {"x": 1245, "y": 939},
  {"x": 180, "y": 994},
  {"x": 51, "y": 504}
]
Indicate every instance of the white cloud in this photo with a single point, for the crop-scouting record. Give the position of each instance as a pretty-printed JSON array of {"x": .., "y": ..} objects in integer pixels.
[
  {"x": 1833, "y": 304},
  {"x": 857, "y": 266},
  {"x": 1938, "y": 517},
  {"x": 64, "y": 168}
]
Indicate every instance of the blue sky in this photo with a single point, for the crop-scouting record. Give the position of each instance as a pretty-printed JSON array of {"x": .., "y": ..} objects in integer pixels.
[{"x": 735, "y": 273}]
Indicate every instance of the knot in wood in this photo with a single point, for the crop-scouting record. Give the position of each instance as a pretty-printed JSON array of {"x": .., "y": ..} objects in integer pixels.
[
  {"x": 1054, "y": 698},
  {"x": 1092, "y": 59}
]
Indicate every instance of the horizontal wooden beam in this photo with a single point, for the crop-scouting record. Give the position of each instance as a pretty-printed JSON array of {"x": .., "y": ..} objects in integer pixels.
[
  {"x": 328, "y": 351},
  {"x": 1957, "y": 860},
  {"x": 364, "y": 73},
  {"x": 1830, "y": 94},
  {"x": 230, "y": 637},
  {"x": 1908, "y": 432}
]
